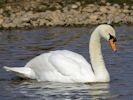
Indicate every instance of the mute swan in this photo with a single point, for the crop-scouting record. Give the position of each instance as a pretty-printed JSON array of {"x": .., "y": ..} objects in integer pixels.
[{"x": 70, "y": 67}]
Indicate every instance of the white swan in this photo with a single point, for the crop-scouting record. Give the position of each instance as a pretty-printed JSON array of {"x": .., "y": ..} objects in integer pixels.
[{"x": 69, "y": 67}]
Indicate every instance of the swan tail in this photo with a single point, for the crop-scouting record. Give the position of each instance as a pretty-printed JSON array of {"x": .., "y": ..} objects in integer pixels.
[{"x": 24, "y": 72}]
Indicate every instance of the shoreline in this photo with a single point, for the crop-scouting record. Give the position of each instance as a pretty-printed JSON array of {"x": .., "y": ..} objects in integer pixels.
[{"x": 39, "y": 14}]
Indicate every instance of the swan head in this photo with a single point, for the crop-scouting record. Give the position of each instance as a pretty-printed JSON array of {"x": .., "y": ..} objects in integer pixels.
[{"x": 108, "y": 33}]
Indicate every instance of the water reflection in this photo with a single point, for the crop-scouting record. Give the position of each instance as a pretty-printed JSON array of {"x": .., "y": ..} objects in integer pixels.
[
  {"x": 50, "y": 90},
  {"x": 99, "y": 90}
]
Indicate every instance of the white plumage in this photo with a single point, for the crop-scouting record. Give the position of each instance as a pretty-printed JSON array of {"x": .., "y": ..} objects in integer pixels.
[{"x": 67, "y": 66}]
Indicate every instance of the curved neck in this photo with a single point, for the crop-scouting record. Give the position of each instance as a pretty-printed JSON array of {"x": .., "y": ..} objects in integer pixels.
[{"x": 96, "y": 57}]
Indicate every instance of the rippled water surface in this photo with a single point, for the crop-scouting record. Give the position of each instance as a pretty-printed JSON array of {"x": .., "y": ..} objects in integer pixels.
[{"x": 18, "y": 47}]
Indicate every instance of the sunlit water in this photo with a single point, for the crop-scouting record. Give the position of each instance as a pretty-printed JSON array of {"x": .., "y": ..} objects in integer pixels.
[{"x": 18, "y": 47}]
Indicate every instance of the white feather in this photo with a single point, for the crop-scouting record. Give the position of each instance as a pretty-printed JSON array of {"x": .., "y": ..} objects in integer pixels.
[{"x": 67, "y": 66}]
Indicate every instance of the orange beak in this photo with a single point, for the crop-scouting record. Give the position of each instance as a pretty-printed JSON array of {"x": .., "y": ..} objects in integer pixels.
[{"x": 113, "y": 45}]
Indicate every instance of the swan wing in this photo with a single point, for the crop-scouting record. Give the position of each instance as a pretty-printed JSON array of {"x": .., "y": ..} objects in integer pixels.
[
  {"x": 79, "y": 60},
  {"x": 61, "y": 66},
  {"x": 72, "y": 65},
  {"x": 66, "y": 66}
]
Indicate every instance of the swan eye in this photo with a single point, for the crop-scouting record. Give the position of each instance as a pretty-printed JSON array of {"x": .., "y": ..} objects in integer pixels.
[{"x": 112, "y": 37}]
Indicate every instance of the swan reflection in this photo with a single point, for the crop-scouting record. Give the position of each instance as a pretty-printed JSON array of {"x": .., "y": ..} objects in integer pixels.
[{"x": 59, "y": 91}]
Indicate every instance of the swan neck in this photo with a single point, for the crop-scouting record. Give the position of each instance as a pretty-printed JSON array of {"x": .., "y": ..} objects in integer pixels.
[{"x": 96, "y": 57}]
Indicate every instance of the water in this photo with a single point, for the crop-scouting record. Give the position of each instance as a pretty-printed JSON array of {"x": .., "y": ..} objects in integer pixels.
[{"x": 18, "y": 47}]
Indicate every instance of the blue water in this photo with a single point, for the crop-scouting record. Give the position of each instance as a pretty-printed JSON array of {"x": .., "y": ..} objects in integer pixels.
[{"x": 18, "y": 46}]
